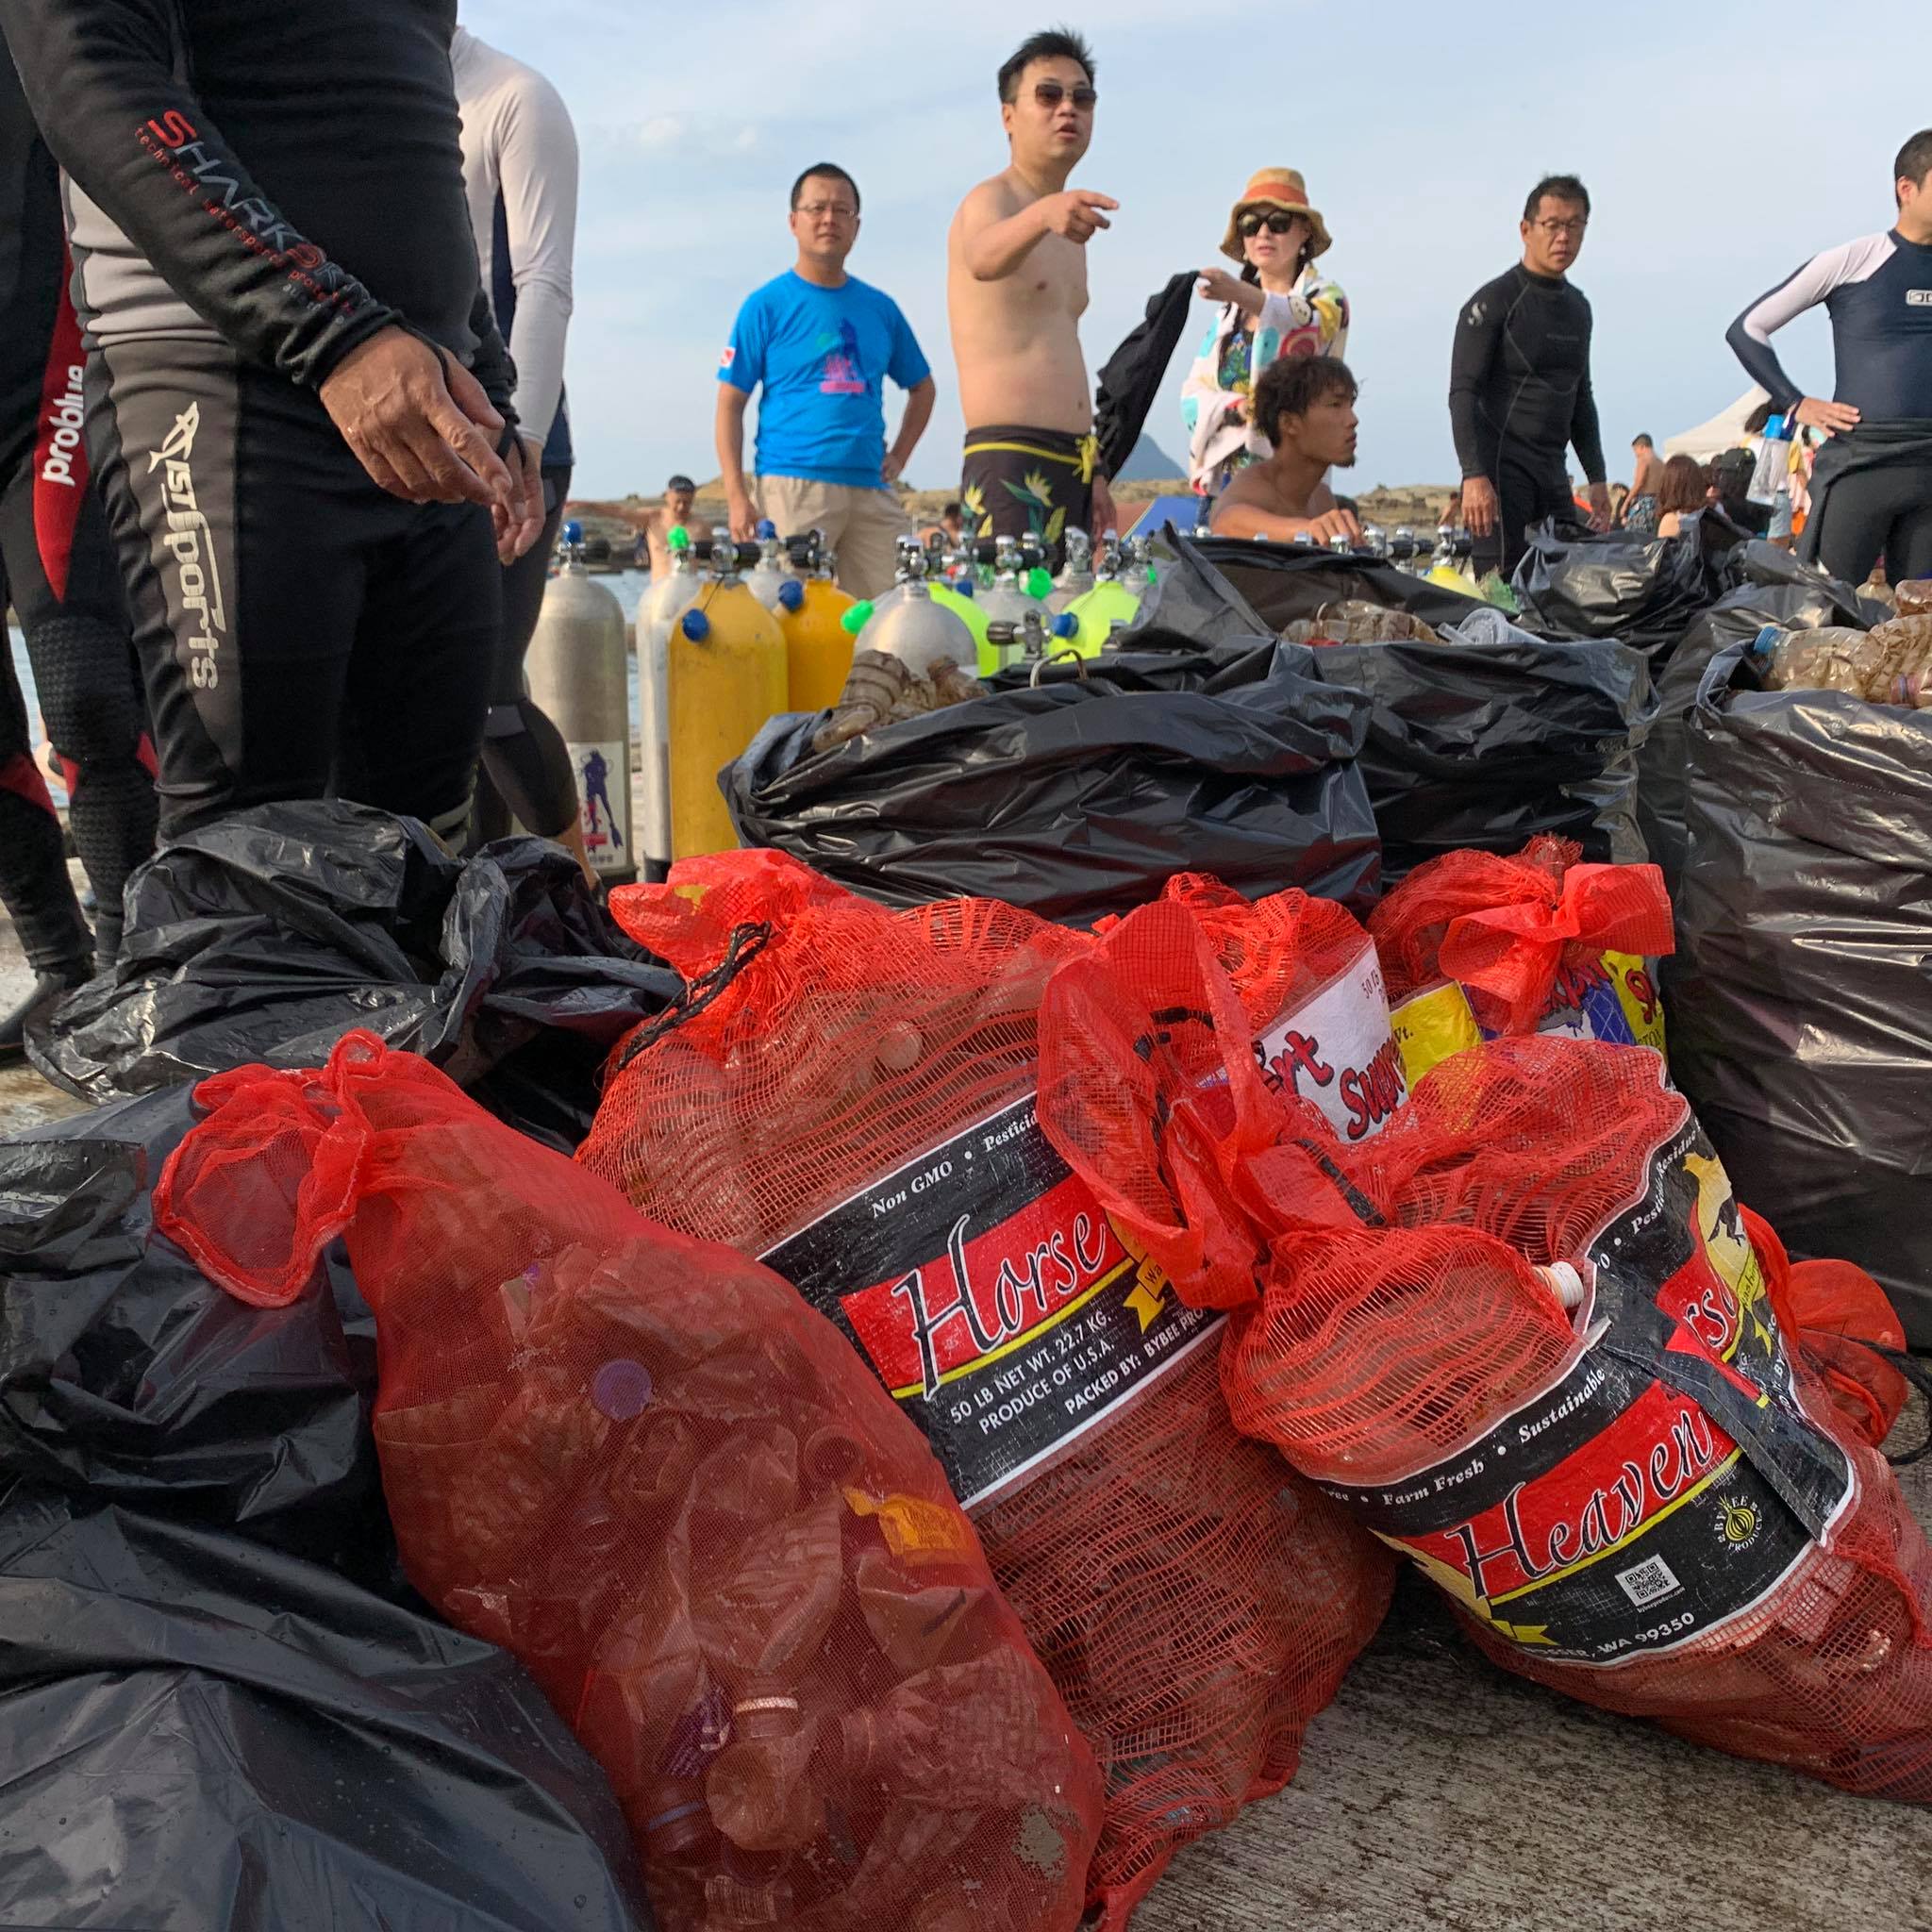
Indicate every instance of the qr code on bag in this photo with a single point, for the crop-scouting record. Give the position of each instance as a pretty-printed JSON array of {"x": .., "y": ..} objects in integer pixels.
[{"x": 1649, "y": 1583}]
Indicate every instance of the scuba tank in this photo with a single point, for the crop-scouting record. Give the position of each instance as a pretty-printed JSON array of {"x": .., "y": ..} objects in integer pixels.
[
  {"x": 726, "y": 675},
  {"x": 579, "y": 675},
  {"x": 772, "y": 572},
  {"x": 1026, "y": 642},
  {"x": 1109, "y": 605},
  {"x": 1009, "y": 602},
  {"x": 909, "y": 622},
  {"x": 960, "y": 595},
  {"x": 818, "y": 650},
  {"x": 665, "y": 602},
  {"x": 1449, "y": 566},
  {"x": 1077, "y": 575}
]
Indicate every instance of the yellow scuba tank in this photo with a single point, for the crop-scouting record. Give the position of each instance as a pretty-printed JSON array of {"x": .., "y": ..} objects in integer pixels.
[
  {"x": 818, "y": 648},
  {"x": 725, "y": 675}
]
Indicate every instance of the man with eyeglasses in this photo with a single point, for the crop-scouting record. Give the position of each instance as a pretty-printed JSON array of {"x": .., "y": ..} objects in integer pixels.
[
  {"x": 1519, "y": 386},
  {"x": 818, "y": 344},
  {"x": 1016, "y": 283}
]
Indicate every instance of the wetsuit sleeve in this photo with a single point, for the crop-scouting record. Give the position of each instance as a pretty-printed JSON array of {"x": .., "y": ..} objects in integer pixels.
[
  {"x": 1478, "y": 338},
  {"x": 1750, "y": 335},
  {"x": 908, "y": 367},
  {"x": 491, "y": 365},
  {"x": 537, "y": 168},
  {"x": 1586, "y": 432},
  {"x": 99, "y": 75}
]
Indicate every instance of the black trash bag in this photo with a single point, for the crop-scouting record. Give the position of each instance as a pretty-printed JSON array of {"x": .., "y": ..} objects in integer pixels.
[
  {"x": 1642, "y": 591},
  {"x": 270, "y": 934},
  {"x": 1191, "y": 597},
  {"x": 1782, "y": 593},
  {"x": 1155, "y": 658},
  {"x": 1486, "y": 746},
  {"x": 126, "y": 1377},
  {"x": 1081, "y": 797},
  {"x": 1801, "y": 997},
  {"x": 1283, "y": 582},
  {"x": 197, "y": 1732}
]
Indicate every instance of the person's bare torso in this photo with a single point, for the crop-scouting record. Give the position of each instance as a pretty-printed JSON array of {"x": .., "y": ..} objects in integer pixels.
[
  {"x": 1262, "y": 487},
  {"x": 1017, "y": 340},
  {"x": 658, "y": 529}
]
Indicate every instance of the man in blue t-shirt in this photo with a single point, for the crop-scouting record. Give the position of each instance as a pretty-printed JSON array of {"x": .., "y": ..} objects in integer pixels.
[{"x": 818, "y": 344}]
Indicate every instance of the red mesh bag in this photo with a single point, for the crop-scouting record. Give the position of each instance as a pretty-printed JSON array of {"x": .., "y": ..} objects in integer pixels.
[
  {"x": 1310, "y": 984},
  {"x": 641, "y": 1464},
  {"x": 848, "y": 1093},
  {"x": 1524, "y": 1336},
  {"x": 1475, "y": 946}
]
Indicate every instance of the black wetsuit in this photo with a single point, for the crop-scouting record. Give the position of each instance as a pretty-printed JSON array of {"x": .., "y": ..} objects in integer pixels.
[
  {"x": 60, "y": 571},
  {"x": 1871, "y": 486},
  {"x": 1519, "y": 398},
  {"x": 258, "y": 187}
]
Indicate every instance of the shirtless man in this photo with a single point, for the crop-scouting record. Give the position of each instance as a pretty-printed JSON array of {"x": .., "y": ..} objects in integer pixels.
[
  {"x": 680, "y": 494},
  {"x": 1016, "y": 287},
  {"x": 1306, "y": 403}
]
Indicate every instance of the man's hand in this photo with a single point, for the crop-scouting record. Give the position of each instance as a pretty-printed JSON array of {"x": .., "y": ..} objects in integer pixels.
[
  {"x": 1217, "y": 285},
  {"x": 742, "y": 516},
  {"x": 516, "y": 532},
  {"x": 1104, "y": 516},
  {"x": 1333, "y": 524},
  {"x": 418, "y": 423},
  {"x": 892, "y": 468},
  {"x": 1599, "y": 506},
  {"x": 1480, "y": 508},
  {"x": 1814, "y": 413},
  {"x": 1076, "y": 213}
]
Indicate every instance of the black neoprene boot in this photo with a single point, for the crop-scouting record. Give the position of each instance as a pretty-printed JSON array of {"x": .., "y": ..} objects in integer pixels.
[{"x": 48, "y": 991}]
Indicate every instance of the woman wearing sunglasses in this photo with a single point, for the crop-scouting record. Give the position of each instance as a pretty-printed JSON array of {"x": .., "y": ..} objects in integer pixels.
[{"x": 1279, "y": 305}]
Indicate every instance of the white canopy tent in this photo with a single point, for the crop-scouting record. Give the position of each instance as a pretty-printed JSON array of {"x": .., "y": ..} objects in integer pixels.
[{"x": 1726, "y": 430}]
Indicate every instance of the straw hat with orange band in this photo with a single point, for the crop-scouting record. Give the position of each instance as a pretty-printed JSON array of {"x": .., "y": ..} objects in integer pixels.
[{"x": 1272, "y": 189}]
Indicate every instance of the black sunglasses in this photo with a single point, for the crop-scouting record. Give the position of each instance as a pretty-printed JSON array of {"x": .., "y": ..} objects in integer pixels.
[
  {"x": 1050, "y": 93},
  {"x": 1277, "y": 222}
]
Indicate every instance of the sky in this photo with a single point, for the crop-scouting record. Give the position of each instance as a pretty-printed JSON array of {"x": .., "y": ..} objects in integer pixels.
[{"x": 1722, "y": 145}]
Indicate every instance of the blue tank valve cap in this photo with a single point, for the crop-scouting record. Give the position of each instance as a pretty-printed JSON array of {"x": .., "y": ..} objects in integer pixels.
[
  {"x": 766, "y": 531},
  {"x": 966, "y": 587},
  {"x": 1066, "y": 626},
  {"x": 695, "y": 626},
  {"x": 792, "y": 593},
  {"x": 572, "y": 533}
]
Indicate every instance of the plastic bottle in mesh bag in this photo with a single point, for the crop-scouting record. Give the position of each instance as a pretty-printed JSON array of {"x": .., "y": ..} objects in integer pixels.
[
  {"x": 1475, "y": 945},
  {"x": 642, "y": 1466},
  {"x": 1527, "y": 1337},
  {"x": 849, "y": 1094}
]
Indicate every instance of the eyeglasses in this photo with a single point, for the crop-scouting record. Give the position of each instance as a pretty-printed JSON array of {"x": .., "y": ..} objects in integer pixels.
[
  {"x": 1556, "y": 228},
  {"x": 844, "y": 209},
  {"x": 1050, "y": 93},
  {"x": 1276, "y": 223}
]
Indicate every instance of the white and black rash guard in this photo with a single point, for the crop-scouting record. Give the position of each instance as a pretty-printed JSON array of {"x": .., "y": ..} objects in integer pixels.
[
  {"x": 1878, "y": 291},
  {"x": 520, "y": 172}
]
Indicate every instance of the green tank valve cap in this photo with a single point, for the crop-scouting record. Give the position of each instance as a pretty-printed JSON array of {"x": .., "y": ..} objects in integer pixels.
[
  {"x": 1153, "y": 574},
  {"x": 855, "y": 619},
  {"x": 1039, "y": 583},
  {"x": 677, "y": 538}
]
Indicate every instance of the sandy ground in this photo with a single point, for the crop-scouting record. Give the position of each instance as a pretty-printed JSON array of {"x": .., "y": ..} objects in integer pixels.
[{"x": 1438, "y": 1795}]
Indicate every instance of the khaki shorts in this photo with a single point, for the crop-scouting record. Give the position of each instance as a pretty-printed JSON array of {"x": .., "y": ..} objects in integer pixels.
[{"x": 863, "y": 527}]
